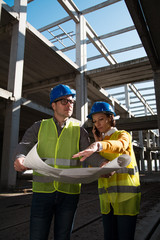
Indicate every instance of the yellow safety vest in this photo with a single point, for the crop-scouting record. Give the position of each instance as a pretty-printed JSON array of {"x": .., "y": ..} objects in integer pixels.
[
  {"x": 57, "y": 152},
  {"x": 122, "y": 190}
]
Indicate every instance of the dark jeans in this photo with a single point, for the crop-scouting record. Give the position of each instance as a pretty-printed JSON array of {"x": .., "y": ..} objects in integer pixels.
[
  {"x": 117, "y": 227},
  {"x": 46, "y": 205}
]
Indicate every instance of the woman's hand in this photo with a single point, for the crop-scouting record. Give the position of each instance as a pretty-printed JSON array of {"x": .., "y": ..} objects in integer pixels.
[
  {"x": 96, "y": 134},
  {"x": 109, "y": 174},
  {"x": 94, "y": 147}
]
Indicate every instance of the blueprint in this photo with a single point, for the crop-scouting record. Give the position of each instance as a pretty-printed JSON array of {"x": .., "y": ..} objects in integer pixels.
[{"x": 73, "y": 175}]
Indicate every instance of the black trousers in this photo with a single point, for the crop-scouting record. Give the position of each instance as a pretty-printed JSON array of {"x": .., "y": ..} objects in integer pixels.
[{"x": 119, "y": 227}]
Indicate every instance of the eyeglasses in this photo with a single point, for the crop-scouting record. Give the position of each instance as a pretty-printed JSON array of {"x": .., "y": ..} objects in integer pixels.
[{"x": 65, "y": 101}]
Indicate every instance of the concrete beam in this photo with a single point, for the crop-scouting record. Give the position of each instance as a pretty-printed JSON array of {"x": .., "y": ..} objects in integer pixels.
[
  {"x": 99, "y": 45},
  {"x": 74, "y": 13},
  {"x": 85, "y": 11},
  {"x": 49, "y": 83},
  {"x": 9, "y": 9},
  {"x": 104, "y": 36},
  {"x": 140, "y": 97},
  {"x": 121, "y": 66},
  {"x": 138, "y": 123},
  {"x": 101, "y": 93},
  {"x": 36, "y": 106},
  {"x": 99, "y": 6},
  {"x": 121, "y": 50},
  {"x": 6, "y": 94},
  {"x": 51, "y": 25},
  {"x": 71, "y": 9}
]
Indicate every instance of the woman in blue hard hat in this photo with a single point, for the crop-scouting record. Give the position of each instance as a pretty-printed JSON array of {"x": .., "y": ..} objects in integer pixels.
[{"x": 120, "y": 193}]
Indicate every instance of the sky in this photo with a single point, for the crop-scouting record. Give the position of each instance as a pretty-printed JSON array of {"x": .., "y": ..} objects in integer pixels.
[
  {"x": 111, "y": 18},
  {"x": 106, "y": 20}
]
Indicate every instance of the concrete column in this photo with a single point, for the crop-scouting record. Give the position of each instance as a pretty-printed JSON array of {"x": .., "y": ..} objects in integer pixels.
[
  {"x": 157, "y": 93},
  {"x": 149, "y": 161},
  {"x": 15, "y": 77},
  {"x": 158, "y": 161},
  {"x": 154, "y": 154},
  {"x": 155, "y": 161},
  {"x": 141, "y": 151},
  {"x": 148, "y": 152},
  {"x": 148, "y": 138},
  {"x": 127, "y": 101},
  {"x": 113, "y": 104},
  {"x": 153, "y": 139},
  {"x": 145, "y": 110},
  {"x": 0, "y": 11},
  {"x": 157, "y": 141},
  {"x": 127, "y": 98},
  {"x": 81, "y": 61}
]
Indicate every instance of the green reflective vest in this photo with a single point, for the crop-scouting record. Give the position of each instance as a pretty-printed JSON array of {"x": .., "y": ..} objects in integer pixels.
[
  {"x": 122, "y": 190},
  {"x": 57, "y": 152}
]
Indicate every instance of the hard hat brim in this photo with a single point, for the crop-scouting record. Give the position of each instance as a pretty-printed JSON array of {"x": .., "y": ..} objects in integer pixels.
[{"x": 90, "y": 115}]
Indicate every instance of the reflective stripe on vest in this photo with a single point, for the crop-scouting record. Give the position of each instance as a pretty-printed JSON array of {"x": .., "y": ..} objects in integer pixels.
[
  {"x": 131, "y": 171},
  {"x": 119, "y": 189},
  {"x": 63, "y": 162},
  {"x": 44, "y": 179}
]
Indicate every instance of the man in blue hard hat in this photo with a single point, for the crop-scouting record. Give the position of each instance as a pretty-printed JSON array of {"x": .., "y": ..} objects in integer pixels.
[{"x": 59, "y": 138}]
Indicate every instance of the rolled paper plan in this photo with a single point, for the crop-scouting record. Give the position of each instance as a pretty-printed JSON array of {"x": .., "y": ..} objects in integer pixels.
[{"x": 73, "y": 175}]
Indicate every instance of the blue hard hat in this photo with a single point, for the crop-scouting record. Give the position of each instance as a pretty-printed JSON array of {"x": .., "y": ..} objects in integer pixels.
[
  {"x": 60, "y": 91},
  {"x": 101, "y": 107}
]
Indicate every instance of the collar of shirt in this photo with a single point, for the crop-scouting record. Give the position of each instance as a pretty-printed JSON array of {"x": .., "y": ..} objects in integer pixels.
[
  {"x": 57, "y": 123},
  {"x": 59, "y": 128},
  {"x": 110, "y": 132}
]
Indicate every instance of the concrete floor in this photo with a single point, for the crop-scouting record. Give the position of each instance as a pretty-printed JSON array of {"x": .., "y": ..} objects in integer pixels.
[{"x": 15, "y": 211}]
